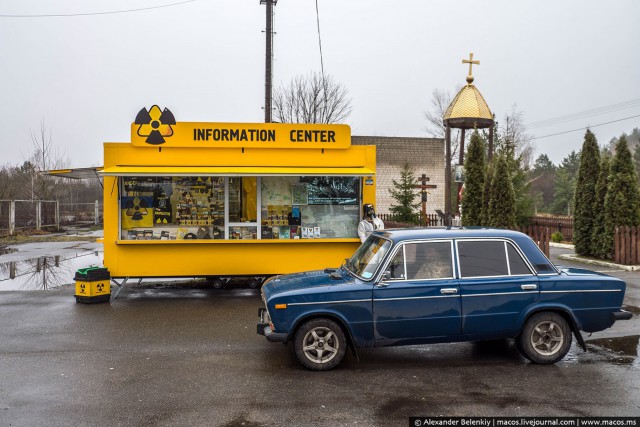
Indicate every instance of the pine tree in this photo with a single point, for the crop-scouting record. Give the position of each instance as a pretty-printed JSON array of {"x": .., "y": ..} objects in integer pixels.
[
  {"x": 474, "y": 168},
  {"x": 486, "y": 194},
  {"x": 508, "y": 144},
  {"x": 404, "y": 193},
  {"x": 524, "y": 205},
  {"x": 585, "y": 195},
  {"x": 600, "y": 244},
  {"x": 636, "y": 158},
  {"x": 564, "y": 186},
  {"x": 502, "y": 199},
  {"x": 542, "y": 177},
  {"x": 622, "y": 202}
]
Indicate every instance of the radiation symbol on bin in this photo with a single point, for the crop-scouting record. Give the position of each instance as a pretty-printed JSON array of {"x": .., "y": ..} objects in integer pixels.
[
  {"x": 100, "y": 287},
  {"x": 136, "y": 208},
  {"x": 82, "y": 288},
  {"x": 155, "y": 124}
]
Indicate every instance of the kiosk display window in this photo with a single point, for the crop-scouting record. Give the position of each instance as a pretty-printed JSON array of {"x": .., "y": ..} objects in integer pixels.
[
  {"x": 246, "y": 208},
  {"x": 310, "y": 207},
  {"x": 172, "y": 208}
]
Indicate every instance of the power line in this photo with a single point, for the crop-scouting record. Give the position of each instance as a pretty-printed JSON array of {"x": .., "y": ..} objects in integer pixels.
[
  {"x": 584, "y": 114},
  {"x": 584, "y": 128},
  {"x": 96, "y": 13},
  {"x": 320, "y": 41}
]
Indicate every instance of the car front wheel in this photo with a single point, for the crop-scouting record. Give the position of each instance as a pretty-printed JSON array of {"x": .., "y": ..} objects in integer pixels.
[
  {"x": 320, "y": 344},
  {"x": 545, "y": 338}
]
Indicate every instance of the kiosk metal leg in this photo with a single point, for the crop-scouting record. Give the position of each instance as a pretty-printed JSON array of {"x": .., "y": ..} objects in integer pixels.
[{"x": 119, "y": 286}]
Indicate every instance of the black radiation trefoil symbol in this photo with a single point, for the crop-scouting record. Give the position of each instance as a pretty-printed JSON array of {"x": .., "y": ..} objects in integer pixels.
[
  {"x": 100, "y": 286},
  {"x": 155, "y": 124},
  {"x": 136, "y": 209},
  {"x": 82, "y": 288}
]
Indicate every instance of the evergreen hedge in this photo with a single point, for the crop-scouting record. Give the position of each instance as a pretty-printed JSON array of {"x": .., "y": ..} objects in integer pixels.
[
  {"x": 502, "y": 199},
  {"x": 474, "y": 168},
  {"x": 585, "y": 195},
  {"x": 622, "y": 202},
  {"x": 600, "y": 244}
]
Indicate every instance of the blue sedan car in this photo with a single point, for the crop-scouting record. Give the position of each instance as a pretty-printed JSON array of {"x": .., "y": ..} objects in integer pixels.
[{"x": 430, "y": 285}]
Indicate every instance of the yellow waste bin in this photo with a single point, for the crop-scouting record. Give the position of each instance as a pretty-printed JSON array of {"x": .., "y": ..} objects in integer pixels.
[{"x": 93, "y": 285}]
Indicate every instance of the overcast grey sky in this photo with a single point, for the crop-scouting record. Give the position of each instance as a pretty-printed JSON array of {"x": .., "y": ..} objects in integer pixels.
[{"x": 87, "y": 76}]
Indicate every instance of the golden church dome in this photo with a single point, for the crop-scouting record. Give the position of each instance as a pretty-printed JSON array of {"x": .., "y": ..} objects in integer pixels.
[{"x": 469, "y": 109}]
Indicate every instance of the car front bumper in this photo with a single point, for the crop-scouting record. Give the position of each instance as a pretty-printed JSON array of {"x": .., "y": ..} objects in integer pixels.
[{"x": 264, "y": 328}]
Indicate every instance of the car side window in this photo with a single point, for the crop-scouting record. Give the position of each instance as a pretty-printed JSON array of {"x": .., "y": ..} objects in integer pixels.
[
  {"x": 428, "y": 260},
  {"x": 482, "y": 258},
  {"x": 396, "y": 266},
  {"x": 517, "y": 265}
]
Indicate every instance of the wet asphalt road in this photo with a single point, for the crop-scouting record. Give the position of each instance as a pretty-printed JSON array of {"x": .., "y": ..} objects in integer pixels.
[{"x": 165, "y": 356}]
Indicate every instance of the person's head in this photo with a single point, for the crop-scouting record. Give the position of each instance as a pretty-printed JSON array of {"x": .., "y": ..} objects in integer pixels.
[{"x": 368, "y": 210}]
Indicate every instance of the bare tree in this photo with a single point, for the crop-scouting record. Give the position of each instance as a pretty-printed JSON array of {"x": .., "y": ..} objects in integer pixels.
[
  {"x": 440, "y": 101},
  {"x": 7, "y": 190},
  {"x": 516, "y": 137},
  {"x": 45, "y": 156},
  {"x": 312, "y": 99}
]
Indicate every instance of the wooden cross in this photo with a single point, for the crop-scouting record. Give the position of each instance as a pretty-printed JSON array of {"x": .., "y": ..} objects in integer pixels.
[
  {"x": 423, "y": 186},
  {"x": 470, "y": 61}
]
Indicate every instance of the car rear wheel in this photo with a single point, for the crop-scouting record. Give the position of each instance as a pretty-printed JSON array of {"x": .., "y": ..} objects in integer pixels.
[
  {"x": 320, "y": 344},
  {"x": 545, "y": 338}
]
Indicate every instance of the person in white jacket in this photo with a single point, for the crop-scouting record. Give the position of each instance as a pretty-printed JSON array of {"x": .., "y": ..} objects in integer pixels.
[{"x": 369, "y": 223}]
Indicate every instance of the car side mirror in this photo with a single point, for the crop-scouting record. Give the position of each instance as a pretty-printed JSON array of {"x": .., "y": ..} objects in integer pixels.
[{"x": 386, "y": 275}]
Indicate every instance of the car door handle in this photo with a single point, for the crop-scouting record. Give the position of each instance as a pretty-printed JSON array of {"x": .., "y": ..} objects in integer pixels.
[
  {"x": 382, "y": 285},
  {"x": 529, "y": 287},
  {"x": 448, "y": 291}
]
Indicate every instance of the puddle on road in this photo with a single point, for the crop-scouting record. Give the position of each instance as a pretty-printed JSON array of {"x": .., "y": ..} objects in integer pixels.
[
  {"x": 618, "y": 350},
  {"x": 53, "y": 271},
  {"x": 7, "y": 250},
  {"x": 45, "y": 272}
]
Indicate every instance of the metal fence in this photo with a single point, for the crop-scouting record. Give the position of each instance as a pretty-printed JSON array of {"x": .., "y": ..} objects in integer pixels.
[
  {"x": 81, "y": 213},
  {"x": 38, "y": 214}
]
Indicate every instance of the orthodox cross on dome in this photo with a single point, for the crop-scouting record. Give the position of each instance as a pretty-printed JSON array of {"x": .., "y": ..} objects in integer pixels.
[{"x": 470, "y": 61}]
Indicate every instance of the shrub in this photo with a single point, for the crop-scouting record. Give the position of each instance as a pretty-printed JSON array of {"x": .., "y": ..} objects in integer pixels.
[{"x": 556, "y": 237}]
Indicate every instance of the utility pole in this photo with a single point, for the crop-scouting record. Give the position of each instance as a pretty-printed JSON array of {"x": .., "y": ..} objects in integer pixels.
[{"x": 268, "y": 86}]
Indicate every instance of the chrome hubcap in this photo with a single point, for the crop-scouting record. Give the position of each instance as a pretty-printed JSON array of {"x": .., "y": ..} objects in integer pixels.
[
  {"x": 547, "y": 338},
  {"x": 320, "y": 345}
]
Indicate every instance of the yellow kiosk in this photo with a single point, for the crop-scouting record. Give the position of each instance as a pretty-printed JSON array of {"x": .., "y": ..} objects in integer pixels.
[{"x": 224, "y": 199}]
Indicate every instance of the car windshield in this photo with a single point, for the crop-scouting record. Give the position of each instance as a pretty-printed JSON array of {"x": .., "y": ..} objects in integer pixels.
[{"x": 365, "y": 261}]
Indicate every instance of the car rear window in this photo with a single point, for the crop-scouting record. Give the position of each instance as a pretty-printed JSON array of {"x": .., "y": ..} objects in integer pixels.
[
  {"x": 482, "y": 258},
  {"x": 517, "y": 265}
]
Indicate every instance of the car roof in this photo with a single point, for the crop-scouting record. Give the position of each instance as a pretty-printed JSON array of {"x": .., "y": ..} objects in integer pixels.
[
  {"x": 400, "y": 234},
  {"x": 526, "y": 244}
]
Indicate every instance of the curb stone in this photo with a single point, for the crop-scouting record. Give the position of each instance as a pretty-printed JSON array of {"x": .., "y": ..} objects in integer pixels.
[
  {"x": 561, "y": 245},
  {"x": 576, "y": 258}
]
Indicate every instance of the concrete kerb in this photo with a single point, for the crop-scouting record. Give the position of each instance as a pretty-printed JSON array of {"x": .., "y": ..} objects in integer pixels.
[
  {"x": 601, "y": 263},
  {"x": 561, "y": 245},
  {"x": 576, "y": 258}
]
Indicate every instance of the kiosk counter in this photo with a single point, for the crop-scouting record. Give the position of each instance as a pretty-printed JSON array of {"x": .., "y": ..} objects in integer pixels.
[{"x": 224, "y": 199}]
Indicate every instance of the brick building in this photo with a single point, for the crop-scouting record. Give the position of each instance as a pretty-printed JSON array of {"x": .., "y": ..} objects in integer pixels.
[{"x": 424, "y": 155}]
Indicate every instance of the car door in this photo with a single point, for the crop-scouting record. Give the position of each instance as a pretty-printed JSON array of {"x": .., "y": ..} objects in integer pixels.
[
  {"x": 496, "y": 284},
  {"x": 418, "y": 297}
]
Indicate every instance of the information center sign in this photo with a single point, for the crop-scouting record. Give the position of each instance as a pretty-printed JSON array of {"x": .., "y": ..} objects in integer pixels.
[{"x": 159, "y": 128}]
